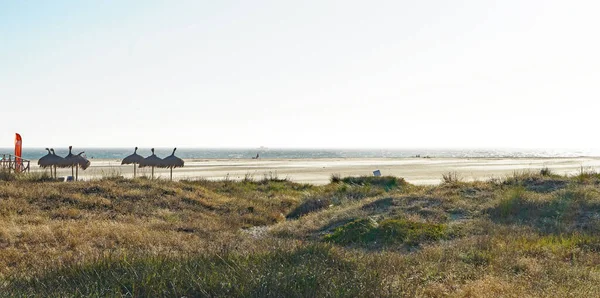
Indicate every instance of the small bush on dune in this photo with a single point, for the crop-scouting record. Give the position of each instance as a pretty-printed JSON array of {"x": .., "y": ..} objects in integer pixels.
[
  {"x": 587, "y": 174},
  {"x": 348, "y": 192},
  {"x": 335, "y": 178},
  {"x": 309, "y": 206},
  {"x": 545, "y": 171},
  {"x": 386, "y": 182},
  {"x": 272, "y": 177},
  {"x": 451, "y": 178},
  {"x": 512, "y": 205},
  {"x": 366, "y": 231},
  {"x": 359, "y": 231},
  {"x": 410, "y": 232}
]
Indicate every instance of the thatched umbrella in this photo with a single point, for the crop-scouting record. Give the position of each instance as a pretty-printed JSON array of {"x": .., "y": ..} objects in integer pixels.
[
  {"x": 57, "y": 161},
  {"x": 133, "y": 159},
  {"x": 82, "y": 163},
  {"x": 151, "y": 161},
  {"x": 46, "y": 161},
  {"x": 171, "y": 162},
  {"x": 75, "y": 161},
  {"x": 69, "y": 161}
]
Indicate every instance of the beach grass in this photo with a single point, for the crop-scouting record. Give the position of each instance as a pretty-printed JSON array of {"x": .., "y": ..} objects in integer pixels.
[{"x": 530, "y": 234}]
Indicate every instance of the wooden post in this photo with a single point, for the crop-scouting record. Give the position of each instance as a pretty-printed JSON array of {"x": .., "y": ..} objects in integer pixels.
[
  {"x": 171, "y": 173},
  {"x": 134, "y": 170},
  {"x": 76, "y": 173},
  {"x": 152, "y": 172}
]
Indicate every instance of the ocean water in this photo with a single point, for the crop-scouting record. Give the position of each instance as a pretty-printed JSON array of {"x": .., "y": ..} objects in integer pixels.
[{"x": 273, "y": 153}]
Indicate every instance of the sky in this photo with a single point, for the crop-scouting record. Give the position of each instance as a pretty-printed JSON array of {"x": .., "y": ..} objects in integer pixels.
[{"x": 300, "y": 74}]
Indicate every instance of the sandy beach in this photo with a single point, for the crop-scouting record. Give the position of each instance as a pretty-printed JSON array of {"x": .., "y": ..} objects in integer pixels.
[{"x": 319, "y": 171}]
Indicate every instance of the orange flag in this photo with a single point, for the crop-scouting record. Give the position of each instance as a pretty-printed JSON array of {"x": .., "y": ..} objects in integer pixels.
[{"x": 18, "y": 148}]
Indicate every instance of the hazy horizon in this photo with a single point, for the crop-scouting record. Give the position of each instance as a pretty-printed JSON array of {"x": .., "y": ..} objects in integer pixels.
[
  {"x": 117, "y": 154},
  {"x": 315, "y": 74}
]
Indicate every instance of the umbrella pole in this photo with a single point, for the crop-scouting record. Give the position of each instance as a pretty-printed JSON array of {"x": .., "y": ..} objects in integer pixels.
[
  {"x": 133, "y": 170},
  {"x": 171, "y": 173},
  {"x": 152, "y": 172},
  {"x": 76, "y": 173},
  {"x": 72, "y": 173}
]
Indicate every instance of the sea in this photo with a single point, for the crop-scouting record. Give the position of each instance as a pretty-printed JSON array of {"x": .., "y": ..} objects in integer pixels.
[{"x": 275, "y": 153}]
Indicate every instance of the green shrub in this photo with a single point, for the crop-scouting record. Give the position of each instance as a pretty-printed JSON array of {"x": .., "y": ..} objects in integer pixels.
[
  {"x": 545, "y": 171},
  {"x": 390, "y": 231},
  {"x": 512, "y": 204},
  {"x": 386, "y": 182},
  {"x": 335, "y": 178},
  {"x": 308, "y": 206},
  {"x": 359, "y": 231},
  {"x": 451, "y": 178},
  {"x": 410, "y": 232}
]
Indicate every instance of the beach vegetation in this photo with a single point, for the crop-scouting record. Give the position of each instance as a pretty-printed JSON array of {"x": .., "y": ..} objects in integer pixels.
[
  {"x": 545, "y": 171},
  {"x": 451, "y": 178},
  {"x": 366, "y": 231},
  {"x": 335, "y": 178},
  {"x": 526, "y": 235}
]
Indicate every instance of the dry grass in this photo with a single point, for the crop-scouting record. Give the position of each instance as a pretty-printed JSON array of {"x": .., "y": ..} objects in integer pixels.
[{"x": 533, "y": 234}]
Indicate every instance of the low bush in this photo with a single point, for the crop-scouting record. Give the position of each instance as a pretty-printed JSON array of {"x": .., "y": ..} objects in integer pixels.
[
  {"x": 366, "y": 231},
  {"x": 386, "y": 182}
]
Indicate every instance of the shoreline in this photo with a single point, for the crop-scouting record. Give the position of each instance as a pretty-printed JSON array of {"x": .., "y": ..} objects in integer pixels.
[{"x": 318, "y": 171}]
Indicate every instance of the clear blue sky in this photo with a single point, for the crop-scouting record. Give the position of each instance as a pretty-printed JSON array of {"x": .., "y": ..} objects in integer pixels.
[{"x": 300, "y": 73}]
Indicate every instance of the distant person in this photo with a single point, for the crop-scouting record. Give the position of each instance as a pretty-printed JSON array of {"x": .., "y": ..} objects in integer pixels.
[{"x": 256, "y": 156}]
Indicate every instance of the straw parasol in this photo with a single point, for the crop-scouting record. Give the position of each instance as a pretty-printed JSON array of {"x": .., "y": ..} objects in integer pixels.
[
  {"x": 69, "y": 161},
  {"x": 171, "y": 162},
  {"x": 75, "y": 161},
  {"x": 56, "y": 161},
  {"x": 46, "y": 161},
  {"x": 133, "y": 159},
  {"x": 151, "y": 161},
  {"x": 82, "y": 163}
]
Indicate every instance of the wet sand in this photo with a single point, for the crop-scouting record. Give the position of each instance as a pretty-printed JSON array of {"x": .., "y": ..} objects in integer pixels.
[{"x": 319, "y": 171}]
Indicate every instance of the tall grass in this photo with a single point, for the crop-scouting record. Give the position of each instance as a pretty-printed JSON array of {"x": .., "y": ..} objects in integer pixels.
[
  {"x": 314, "y": 270},
  {"x": 451, "y": 178},
  {"x": 528, "y": 235}
]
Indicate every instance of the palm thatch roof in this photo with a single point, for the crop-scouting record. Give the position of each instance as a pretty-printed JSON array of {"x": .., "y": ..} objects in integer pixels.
[
  {"x": 74, "y": 160},
  {"x": 151, "y": 161},
  {"x": 46, "y": 160},
  {"x": 172, "y": 161},
  {"x": 56, "y": 160},
  {"x": 133, "y": 158},
  {"x": 68, "y": 161},
  {"x": 82, "y": 162}
]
